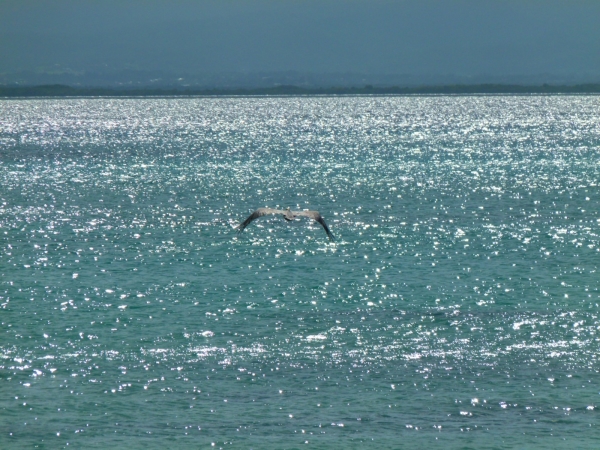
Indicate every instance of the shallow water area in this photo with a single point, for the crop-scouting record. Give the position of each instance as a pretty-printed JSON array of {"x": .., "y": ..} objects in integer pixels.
[{"x": 457, "y": 306}]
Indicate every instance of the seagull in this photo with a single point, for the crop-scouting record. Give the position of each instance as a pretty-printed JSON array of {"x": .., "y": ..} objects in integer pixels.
[{"x": 288, "y": 215}]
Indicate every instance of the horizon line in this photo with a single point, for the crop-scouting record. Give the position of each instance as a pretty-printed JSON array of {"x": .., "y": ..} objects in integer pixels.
[{"x": 64, "y": 90}]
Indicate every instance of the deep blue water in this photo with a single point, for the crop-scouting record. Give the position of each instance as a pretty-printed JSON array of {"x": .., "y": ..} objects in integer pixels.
[{"x": 457, "y": 307}]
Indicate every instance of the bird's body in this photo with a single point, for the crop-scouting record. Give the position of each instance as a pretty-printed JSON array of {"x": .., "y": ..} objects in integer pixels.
[{"x": 288, "y": 215}]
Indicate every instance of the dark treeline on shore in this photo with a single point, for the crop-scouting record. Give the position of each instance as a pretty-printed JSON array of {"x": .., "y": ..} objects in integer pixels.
[{"x": 59, "y": 90}]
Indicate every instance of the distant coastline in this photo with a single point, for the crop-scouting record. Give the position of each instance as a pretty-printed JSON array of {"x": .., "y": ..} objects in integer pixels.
[{"x": 59, "y": 90}]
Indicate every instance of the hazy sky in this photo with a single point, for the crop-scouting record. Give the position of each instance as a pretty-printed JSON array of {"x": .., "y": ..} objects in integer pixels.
[{"x": 462, "y": 37}]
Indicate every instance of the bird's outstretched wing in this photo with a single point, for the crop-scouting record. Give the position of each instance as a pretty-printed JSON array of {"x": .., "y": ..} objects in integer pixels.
[
  {"x": 316, "y": 216},
  {"x": 256, "y": 214}
]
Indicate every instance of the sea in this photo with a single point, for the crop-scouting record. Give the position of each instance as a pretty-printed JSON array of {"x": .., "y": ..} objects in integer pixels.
[{"x": 456, "y": 308}]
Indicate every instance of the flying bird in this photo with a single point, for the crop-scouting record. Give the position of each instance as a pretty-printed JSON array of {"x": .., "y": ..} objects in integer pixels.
[{"x": 288, "y": 215}]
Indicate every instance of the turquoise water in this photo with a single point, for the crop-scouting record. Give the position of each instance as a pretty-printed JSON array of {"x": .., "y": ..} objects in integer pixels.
[{"x": 457, "y": 307}]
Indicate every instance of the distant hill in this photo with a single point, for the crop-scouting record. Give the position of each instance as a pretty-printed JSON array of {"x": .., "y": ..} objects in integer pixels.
[{"x": 59, "y": 90}]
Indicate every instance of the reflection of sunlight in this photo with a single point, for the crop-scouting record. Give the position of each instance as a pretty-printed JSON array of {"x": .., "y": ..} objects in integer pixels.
[{"x": 465, "y": 265}]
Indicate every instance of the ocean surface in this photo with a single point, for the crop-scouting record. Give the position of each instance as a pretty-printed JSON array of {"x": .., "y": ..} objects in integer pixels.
[{"x": 456, "y": 308}]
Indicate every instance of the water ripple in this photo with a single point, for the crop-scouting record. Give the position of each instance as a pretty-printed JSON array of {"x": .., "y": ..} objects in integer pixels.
[{"x": 460, "y": 296}]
